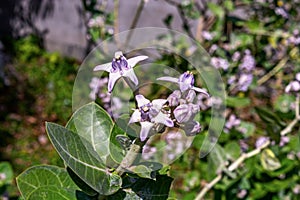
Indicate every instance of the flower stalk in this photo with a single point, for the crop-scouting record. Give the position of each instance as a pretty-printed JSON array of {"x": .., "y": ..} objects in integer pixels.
[{"x": 130, "y": 157}]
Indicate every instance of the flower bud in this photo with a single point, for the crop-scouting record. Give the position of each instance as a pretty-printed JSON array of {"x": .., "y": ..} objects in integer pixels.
[
  {"x": 192, "y": 128},
  {"x": 185, "y": 112},
  {"x": 186, "y": 81},
  {"x": 173, "y": 99},
  {"x": 190, "y": 96}
]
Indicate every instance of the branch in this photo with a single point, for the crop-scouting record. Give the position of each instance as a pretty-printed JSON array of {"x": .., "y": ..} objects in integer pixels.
[
  {"x": 131, "y": 155},
  {"x": 135, "y": 21},
  {"x": 231, "y": 168},
  {"x": 116, "y": 23},
  {"x": 278, "y": 67}
]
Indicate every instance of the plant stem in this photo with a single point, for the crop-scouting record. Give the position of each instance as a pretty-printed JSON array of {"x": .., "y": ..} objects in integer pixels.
[
  {"x": 135, "y": 21},
  {"x": 276, "y": 69},
  {"x": 297, "y": 118},
  {"x": 132, "y": 154},
  {"x": 231, "y": 168},
  {"x": 208, "y": 187},
  {"x": 116, "y": 23}
]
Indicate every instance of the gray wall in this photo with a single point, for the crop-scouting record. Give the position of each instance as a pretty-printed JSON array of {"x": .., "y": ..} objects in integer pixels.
[{"x": 61, "y": 22}]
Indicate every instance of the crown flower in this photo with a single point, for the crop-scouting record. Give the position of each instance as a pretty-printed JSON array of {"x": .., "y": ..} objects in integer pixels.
[
  {"x": 185, "y": 81},
  {"x": 120, "y": 67},
  {"x": 149, "y": 114}
]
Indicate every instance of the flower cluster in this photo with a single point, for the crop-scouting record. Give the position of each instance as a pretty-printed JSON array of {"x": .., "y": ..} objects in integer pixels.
[
  {"x": 150, "y": 115},
  {"x": 243, "y": 79},
  {"x": 178, "y": 110},
  {"x": 181, "y": 102},
  {"x": 232, "y": 122}
]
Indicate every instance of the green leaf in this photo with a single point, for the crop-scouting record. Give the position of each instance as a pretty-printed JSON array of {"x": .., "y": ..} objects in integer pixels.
[
  {"x": 269, "y": 116},
  {"x": 269, "y": 160},
  {"x": 238, "y": 102},
  {"x": 6, "y": 173},
  {"x": 233, "y": 149},
  {"x": 142, "y": 171},
  {"x": 52, "y": 192},
  {"x": 150, "y": 189},
  {"x": 80, "y": 183},
  {"x": 80, "y": 156},
  {"x": 216, "y": 9},
  {"x": 95, "y": 125},
  {"x": 124, "y": 195},
  {"x": 283, "y": 103},
  {"x": 247, "y": 128},
  {"x": 117, "y": 151},
  {"x": 46, "y": 182},
  {"x": 217, "y": 159}
]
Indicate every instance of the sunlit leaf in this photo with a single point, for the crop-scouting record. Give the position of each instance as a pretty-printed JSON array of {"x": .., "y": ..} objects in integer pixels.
[
  {"x": 92, "y": 123},
  {"x": 82, "y": 158},
  {"x": 119, "y": 144},
  {"x": 46, "y": 182}
]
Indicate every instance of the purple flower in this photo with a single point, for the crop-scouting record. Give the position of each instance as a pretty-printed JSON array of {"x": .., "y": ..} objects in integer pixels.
[
  {"x": 149, "y": 114},
  {"x": 244, "y": 82},
  {"x": 192, "y": 128},
  {"x": 174, "y": 98},
  {"x": 281, "y": 11},
  {"x": 185, "y": 81},
  {"x": 236, "y": 56},
  {"x": 207, "y": 35},
  {"x": 248, "y": 62},
  {"x": 261, "y": 141},
  {"x": 219, "y": 63},
  {"x": 233, "y": 121},
  {"x": 284, "y": 140},
  {"x": 119, "y": 67}
]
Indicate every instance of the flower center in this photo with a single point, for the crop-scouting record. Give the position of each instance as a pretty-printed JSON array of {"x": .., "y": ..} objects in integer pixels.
[
  {"x": 119, "y": 64},
  {"x": 145, "y": 112}
]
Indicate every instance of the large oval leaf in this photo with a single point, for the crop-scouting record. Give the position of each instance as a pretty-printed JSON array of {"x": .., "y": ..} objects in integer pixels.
[
  {"x": 46, "y": 182},
  {"x": 92, "y": 123},
  {"x": 80, "y": 156}
]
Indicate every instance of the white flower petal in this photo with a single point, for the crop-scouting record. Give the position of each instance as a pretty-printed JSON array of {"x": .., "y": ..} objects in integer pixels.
[
  {"x": 163, "y": 119},
  {"x": 158, "y": 103},
  {"x": 103, "y": 67},
  {"x": 141, "y": 100},
  {"x": 135, "y": 117},
  {"x": 201, "y": 91},
  {"x": 133, "y": 61},
  {"x": 168, "y": 78},
  {"x": 145, "y": 129},
  {"x": 131, "y": 75},
  {"x": 113, "y": 77}
]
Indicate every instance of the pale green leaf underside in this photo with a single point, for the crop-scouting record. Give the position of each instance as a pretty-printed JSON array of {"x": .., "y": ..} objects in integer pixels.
[
  {"x": 46, "y": 182},
  {"x": 92, "y": 123},
  {"x": 80, "y": 156}
]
